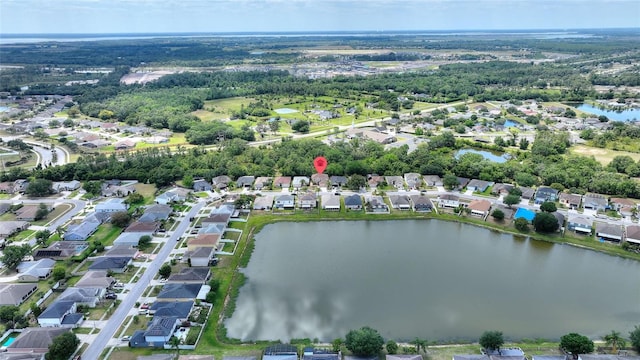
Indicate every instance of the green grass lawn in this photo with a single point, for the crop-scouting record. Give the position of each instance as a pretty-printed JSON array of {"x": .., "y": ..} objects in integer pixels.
[
  {"x": 5, "y": 196},
  {"x": 106, "y": 233},
  {"x": 54, "y": 214}
]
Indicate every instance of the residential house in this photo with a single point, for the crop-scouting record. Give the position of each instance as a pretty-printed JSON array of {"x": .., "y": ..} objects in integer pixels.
[
  {"x": 633, "y": 234},
  {"x": 280, "y": 352},
  {"x": 6, "y": 187},
  {"x": 143, "y": 227},
  {"x": 501, "y": 189},
  {"x": 462, "y": 183},
  {"x": 330, "y": 202},
  {"x": 307, "y": 200},
  {"x": 81, "y": 231},
  {"x": 262, "y": 182},
  {"x": 609, "y": 232},
  {"x": 8, "y": 228},
  {"x": 61, "y": 250},
  {"x": 300, "y": 181},
  {"x": 212, "y": 229},
  {"x": 507, "y": 211},
  {"x": 157, "y": 334},
  {"x": 479, "y": 208},
  {"x": 61, "y": 314},
  {"x": 112, "y": 206},
  {"x": 560, "y": 218},
  {"x": 86, "y": 296},
  {"x": 27, "y": 213},
  {"x": 421, "y": 203},
  {"x": 572, "y": 201},
  {"x": 448, "y": 201},
  {"x": 545, "y": 193},
  {"x": 34, "y": 271},
  {"x": 201, "y": 185},
  {"x": 121, "y": 251},
  {"x": 284, "y": 202},
  {"x": 201, "y": 256},
  {"x": 203, "y": 240},
  {"x": 352, "y": 202},
  {"x": 125, "y": 144},
  {"x": 282, "y": 182},
  {"x": 130, "y": 239},
  {"x": 310, "y": 353},
  {"x": 620, "y": 356},
  {"x": 264, "y": 202},
  {"x": 16, "y": 294},
  {"x": 157, "y": 212},
  {"x": 368, "y": 134},
  {"x": 216, "y": 219},
  {"x": 175, "y": 195},
  {"x": 180, "y": 292},
  {"x": 579, "y": 224},
  {"x": 97, "y": 279},
  {"x": 623, "y": 206},
  {"x": 322, "y": 180},
  {"x": 374, "y": 180},
  {"x": 479, "y": 185},
  {"x": 413, "y": 180},
  {"x": 35, "y": 340},
  {"x": 432, "y": 180},
  {"x": 20, "y": 186},
  {"x": 221, "y": 182},
  {"x": 404, "y": 357},
  {"x": 376, "y": 204},
  {"x": 595, "y": 202},
  {"x": 400, "y": 202},
  {"x": 338, "y": 181},
  {"x": 177, "y": 309},
  {"x": 66, "y": 185},
  {"x": 116, "y": 265},
  {"x": 189, "y": 275},
  {"x": 527, "y": 193},
  {"x": 245, "y": 182},
  {"x": 395, "y": 181},
  {"x": 113, "y": 188},
  {"x": 4, "y": 207}
]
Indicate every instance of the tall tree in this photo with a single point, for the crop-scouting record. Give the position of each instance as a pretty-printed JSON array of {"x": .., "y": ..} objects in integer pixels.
[
  {"x": 13, "y": 255},
  {"x": 615, "y": 340},
  {"x": 63, "y": 346},
  {"x": 511, "y": 199},
  {"x": 39, "y": 187},
  {"x": 576, "y": 344},
  {"x": 634, "y": 336},
  {"x": 364, "y": 342},
  {"x": 491, "y": 340}
]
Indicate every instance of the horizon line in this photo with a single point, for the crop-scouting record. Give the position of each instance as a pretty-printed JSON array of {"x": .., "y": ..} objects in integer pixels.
[{"x": 368, "y": 31}]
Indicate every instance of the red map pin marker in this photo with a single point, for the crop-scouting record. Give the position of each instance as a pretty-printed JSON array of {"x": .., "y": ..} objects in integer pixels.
[{"x": 320, "y": 163}]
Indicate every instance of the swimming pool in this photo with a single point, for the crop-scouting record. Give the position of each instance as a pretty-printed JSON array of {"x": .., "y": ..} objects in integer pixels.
[
  {"x": 8, "y": 341},
  {"x": 524, "y": 213}
]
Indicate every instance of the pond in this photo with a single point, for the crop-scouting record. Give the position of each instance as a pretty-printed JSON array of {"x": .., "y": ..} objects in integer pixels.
[
  {"x": 4, "y": 109},
  {"x": 616, "y": 115},
  {"x": 489, "y": 155},
  {"x": 430, "y": 279},
  {"x": 285, "y": 111}
]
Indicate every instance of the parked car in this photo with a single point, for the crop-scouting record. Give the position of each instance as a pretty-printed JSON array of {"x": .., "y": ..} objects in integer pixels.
[
  {"x": 111, "y": 296},
  {"x": 125, "y": 338},
  {"x": 144, "y": 306}
]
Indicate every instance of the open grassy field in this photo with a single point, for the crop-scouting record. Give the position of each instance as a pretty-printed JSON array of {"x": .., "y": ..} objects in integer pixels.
[
  {"x": 603, "y": 156},
  {"x": 146, "y": 190}
]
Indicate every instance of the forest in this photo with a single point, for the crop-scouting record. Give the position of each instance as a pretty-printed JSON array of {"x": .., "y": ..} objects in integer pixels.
[{"x": 546, "y": 164}]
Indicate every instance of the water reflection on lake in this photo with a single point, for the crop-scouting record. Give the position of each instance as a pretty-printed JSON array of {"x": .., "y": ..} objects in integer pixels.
[
  {"x": 430, "y": 279},
  {"x": 491, "y": 156}
]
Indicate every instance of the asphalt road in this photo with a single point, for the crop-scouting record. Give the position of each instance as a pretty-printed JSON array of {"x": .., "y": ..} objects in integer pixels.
[
  {"x": 45, "y": 154},
  {"x": 107, "y": 332}
]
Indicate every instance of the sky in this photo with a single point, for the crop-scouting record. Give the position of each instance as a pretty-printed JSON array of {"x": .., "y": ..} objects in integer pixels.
[{"x": 153, "y": 16}]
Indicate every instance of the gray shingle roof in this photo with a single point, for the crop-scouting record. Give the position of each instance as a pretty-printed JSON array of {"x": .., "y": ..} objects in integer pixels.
[{"x": 179, "y": 291}]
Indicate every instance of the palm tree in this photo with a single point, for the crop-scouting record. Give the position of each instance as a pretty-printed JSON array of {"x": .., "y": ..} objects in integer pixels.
[
  {"x": 420, "y": 345},
  {"x": 175, "y": 343},
  {"x": 614, "y": 340}
]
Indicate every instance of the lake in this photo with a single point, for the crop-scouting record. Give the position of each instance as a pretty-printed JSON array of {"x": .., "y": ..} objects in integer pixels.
[
  {"x": 617, "y": 115},
  {"x": 430, "y": 279},
  {"x": 491, "y": 156}
]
